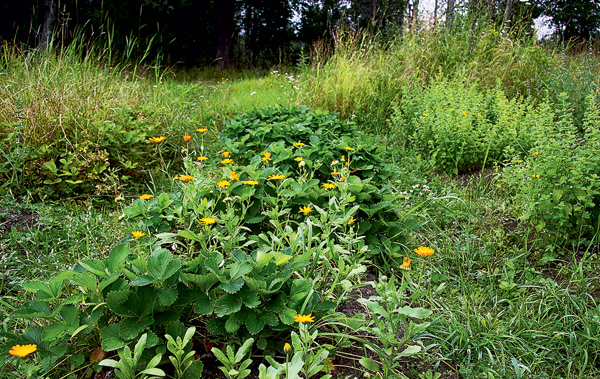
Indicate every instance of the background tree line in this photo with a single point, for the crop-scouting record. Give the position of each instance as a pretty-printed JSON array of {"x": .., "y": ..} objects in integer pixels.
[{"x": 263, "y": 32}]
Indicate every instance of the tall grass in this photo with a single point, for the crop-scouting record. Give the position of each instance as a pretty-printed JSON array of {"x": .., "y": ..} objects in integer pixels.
[{"x": 363, "y": 77}]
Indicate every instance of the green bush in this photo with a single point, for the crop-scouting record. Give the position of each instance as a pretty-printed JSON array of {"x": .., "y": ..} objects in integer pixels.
[
  {"x": 557, "y": 184},
  {"x": 460, "y": 128}
]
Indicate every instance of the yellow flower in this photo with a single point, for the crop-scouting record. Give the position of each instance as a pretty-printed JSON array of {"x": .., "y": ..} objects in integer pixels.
[
  {"x": 224, "y": 184},
  {"x": 266, "y": 158},
  {"x": 304, "y": 318},
  {"x": 536, "y": 154},
  {"x": 335, "y": 173},
  {"x": 201, "y": 130},
  {"x": 406, "y": 263},
  {"x": 328, "y": 186},
  {"x": 425, "y": 114},
  {"x": 287, "y": 347},
  {"x": 298, "y": 159},
  {"x": 233, "y": 175},
  {"x": 22, "y": 351},
  {"x": 226, "y": 154},
  {"x": 424, "y": 251},
  {"x": 343, "y": 179},
  {"x": 157, "y": 139},
  {"x": 479, "y": 114},
  {"x": 276, "y": 177},
  {"x": 208, "y": 220},
  {"x": 536, "y": 175},
  {"x": 465, "y": 113},
  {"x": 298, "y": 144},
  {"x": 571, "y": 168},
  {"x": 187, "y": 138},
  {"x": 306, "y": 210},
  {"x": 349, "y": 148},
  {"x": 250, "y": 182},
  {"x": 227, "y": 161},
  {"x": 138, "y": 233},
  {"x": 146, "y": 197},
  {"x": 202, "y": 158},
  {"x": 352, "y": 220},
  {"x": 334, "y": 162},
  {"x": 185, "y": 178}
]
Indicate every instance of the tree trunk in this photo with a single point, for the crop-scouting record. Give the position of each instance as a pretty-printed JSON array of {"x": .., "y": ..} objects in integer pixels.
[
  {"x": 48, "y": 11},
  {"x": 415, "y": 13},
  {"x": 507, "y": 15},
  {"x": 449, "y": 14},
  {"x": 224, "y": 13}
]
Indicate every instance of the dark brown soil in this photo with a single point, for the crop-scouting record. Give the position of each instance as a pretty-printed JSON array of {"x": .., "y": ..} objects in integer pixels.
[{"x": 10, "y": 218}]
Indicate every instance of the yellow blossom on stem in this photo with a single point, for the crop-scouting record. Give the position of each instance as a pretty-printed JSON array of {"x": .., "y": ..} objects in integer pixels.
[
  {"x": 406, "y": 263},
  {"x": 233, "y": 175},
  {"x": 536, "y": 154},
  {"x": 146, "y": 197},
  {"x": 185, "y": 178},
  {"x": 157, "y": 139},
  {"x": 22, "y": 350},
  {"x": 138, "y": 233},
  {"x": 187, "y": 138},
  {"x": 298, "y": 159},
  {"x": 424, "y": 251},
  {"x": 202, "y": 158},
  {"x": 250, "y": 182},
  {"x": 343, "y": 179},
  {"x": 287, "y": 347},
  {"x": 304, "y": 318},
  {"x": 298, "y": 144},
  {"x": 208, "y": 220},
  {"x": 266, "y": 158},
  {"x": 352, "y": 220},
  {"x": 201, "y": 130},
  {"x": 276, "y": 177},
  {"x": 349, "y": 148},
  {"x": 224, "y": 183},
  {"x": 335, "y": 173},
  {"x": 227, "y": 161},
  {"x": 226, "y": 154},
  {"x": 306, "y": 210},
  {"x": 329, "y": 186}
]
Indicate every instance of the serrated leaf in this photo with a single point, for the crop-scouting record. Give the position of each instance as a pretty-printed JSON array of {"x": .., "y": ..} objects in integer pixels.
[
  {"x": 287, "y": 317},
  {"x": 86, "y": 280},
  {"x": 53, "y": 331},
  {"x": 117, "y": 256},
  {"x": 249, "y": 298},
  {"x": 111, "y": 339},
  {"x": 161, "y": 264},
  {"x": 194, "y": 370},
  {"x": 97, "y": 355},
  {"x": 175, "y": 329},
  {"x": 233, "y": 324},
  {"x": 227, "y": 304},
  {"x": 167, "y": 296},
  {"x": 232, "y": 287},
  {"x": 130, "y": 328},
  {"x": 205, "y": 305},
  {"x": 255, "y": 324}
]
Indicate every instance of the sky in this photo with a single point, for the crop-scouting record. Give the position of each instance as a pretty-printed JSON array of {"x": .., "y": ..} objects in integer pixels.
[{"x": 426, "y": 6}]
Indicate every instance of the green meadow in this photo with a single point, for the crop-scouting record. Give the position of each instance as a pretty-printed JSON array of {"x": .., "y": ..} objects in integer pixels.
[{"x": 422, "y": 208}]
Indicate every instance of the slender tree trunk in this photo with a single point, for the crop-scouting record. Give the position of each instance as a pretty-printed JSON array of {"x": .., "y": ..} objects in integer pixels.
[
  {"x": 507, "y": 16},
  {"x": 415, "y": 13},
  {"x": 48, "y": 11},
  {"x": 224, "y": 13},
  {"x": 449, "y": 14}
]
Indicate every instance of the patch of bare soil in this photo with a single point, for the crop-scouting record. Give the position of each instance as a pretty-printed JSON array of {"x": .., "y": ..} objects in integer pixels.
[{"x": 10, "y": 218}]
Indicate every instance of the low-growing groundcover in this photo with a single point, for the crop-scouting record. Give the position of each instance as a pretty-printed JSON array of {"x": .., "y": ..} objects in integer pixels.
[
  {"x": 237, "y": 255},
  {"x": 314, "y": 251}
]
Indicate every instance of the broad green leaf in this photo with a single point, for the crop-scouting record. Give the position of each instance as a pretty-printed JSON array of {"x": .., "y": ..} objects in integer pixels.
[
  {"x": 227, "y": 304},
  {"x": 117, "y": 256},
  {"x": 111, "y": 339},
  {"x": 167, "y": 296},
  {"x": 411, "y": 350},
  {"x": 204, "y": 306},
  {"x": 161, "y": 264},
  {"x": 419, "y": 313},
  {"x": 53, "y": 331},
  {"x": 232, "y": 287},
  {"x": 369, "y": 364}
]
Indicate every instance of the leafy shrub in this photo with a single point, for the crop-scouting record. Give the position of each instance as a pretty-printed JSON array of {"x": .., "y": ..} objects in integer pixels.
[
  {"x": 461, "y": 128},
  {"x": 99, "y": 158},
  {"x": 557, "y": 186}
]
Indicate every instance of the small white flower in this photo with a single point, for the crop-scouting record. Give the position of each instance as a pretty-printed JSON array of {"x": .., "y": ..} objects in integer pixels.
[{"x": 252, "y": 93}]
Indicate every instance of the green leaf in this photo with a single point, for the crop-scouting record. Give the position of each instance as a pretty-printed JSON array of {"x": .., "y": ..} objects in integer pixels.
[
  {"x": 419, "y": 313},
  {"x": 53, "y": 331},
  {"x": 166, "y": 297},
  {"x": 369, "y": 364},
  {"x": 161, "y": 264},
  {"x": 411, "y": 350},
  {"x": 111, "y": 339},
  {"x": 287, "y": 317},
  {"x": 188, "y": 234},
  {"x": 130, "y": 328},
  {"x": 117, "y": 256},
  {"x": 232, "y": 287},
  {"x": 255, "y": 324},
  {"x": 194, "y": 370},
  {"x": 227, "y": 304},
  {"x": 249, "y": 298},
  {"x": 204, "y": 306},
  {"x": 86, "y": 280}
]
